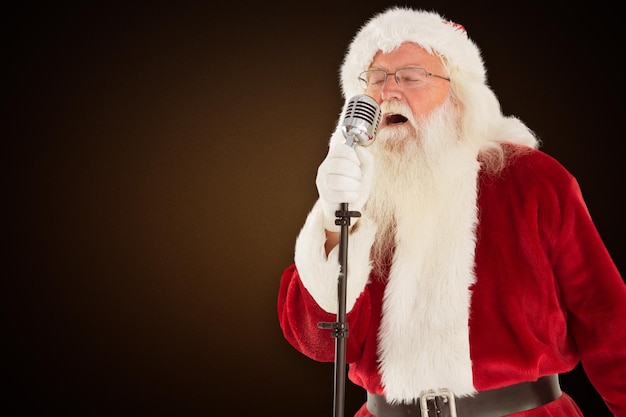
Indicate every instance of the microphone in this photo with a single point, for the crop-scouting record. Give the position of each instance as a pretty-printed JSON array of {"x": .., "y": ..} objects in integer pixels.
[
  {"x": 359, "y": 126},
  {"x": 361, "y": 120}
]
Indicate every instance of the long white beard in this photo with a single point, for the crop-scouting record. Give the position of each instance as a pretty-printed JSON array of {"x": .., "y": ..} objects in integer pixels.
[
  {"x": 423, "y": 200},
  {"x": 414, "y": 167}
]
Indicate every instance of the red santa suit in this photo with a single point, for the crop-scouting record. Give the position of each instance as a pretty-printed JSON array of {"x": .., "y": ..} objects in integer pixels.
[
  {"x": 502, "y": 278},
  {"x": 546, "y": 296}
]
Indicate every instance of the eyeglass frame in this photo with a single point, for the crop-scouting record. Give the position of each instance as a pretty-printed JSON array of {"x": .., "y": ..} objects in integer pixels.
[{"x": 395, "y": 76}]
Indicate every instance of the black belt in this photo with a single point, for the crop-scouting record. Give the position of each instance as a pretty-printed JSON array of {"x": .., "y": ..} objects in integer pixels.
[{"x": 493, "y": 403}]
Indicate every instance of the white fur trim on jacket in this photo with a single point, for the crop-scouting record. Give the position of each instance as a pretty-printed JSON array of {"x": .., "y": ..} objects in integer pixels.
[
  {"x": 424, "y": 331},
  {"x": 319, "y": 273}
]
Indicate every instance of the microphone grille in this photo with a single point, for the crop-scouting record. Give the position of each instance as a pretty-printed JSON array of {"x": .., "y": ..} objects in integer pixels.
[
  {"x": 361, "y": 108},
  {"x": 361, "y": 119}
]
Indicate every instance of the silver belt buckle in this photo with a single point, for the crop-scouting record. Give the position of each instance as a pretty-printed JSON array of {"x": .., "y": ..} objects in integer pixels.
[{"x": 447, "y": 399}]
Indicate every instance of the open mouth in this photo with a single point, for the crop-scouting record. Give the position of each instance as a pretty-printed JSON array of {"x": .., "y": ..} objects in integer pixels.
[{"x": 394, "y": 119}]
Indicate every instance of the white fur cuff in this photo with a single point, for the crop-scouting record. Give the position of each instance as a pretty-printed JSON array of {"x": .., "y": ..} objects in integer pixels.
[{"x": 319, "y": 273}]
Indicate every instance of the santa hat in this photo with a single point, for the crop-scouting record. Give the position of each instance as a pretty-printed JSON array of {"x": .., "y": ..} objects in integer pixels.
[
  {"x": 387, "y": 30},
  {"x": 483, "y": 122}
]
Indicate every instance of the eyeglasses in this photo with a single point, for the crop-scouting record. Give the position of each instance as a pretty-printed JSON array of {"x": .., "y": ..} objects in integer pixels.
[{"x": 408, "y": 77}]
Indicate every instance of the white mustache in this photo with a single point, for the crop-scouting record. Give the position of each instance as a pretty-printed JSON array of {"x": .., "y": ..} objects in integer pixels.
[{"x": 395, "y": 107}]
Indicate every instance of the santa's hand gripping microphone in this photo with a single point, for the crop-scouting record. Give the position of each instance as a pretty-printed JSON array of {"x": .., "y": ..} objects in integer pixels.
[
  {"x": 360, "y": 122},
  {"x": 359, "y": 125}
]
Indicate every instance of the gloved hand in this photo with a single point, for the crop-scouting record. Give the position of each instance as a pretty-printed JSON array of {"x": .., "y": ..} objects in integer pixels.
[{"x": 344, "y": 176}]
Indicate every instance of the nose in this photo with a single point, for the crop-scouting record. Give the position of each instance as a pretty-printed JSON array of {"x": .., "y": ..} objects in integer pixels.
[{"x": 391, "y": 89}]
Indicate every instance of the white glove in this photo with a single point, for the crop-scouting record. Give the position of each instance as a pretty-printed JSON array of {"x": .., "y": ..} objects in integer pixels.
[{"x": 344, "y": 176}]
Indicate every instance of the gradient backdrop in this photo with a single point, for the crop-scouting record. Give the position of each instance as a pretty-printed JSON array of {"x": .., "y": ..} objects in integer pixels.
[{"x": 160, "y": 161}]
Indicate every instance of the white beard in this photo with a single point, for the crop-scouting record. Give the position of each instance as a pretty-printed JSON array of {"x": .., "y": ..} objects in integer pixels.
[{"x": 423, "y": 200}]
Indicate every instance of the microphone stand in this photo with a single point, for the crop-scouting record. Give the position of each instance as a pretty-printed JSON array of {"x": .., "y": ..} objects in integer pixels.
[
  {"x": 340, "y": 327},
  {"x": 359, "y": 126}
]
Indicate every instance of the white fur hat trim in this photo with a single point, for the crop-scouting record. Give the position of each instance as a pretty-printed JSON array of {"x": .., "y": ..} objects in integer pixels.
[{"x": 387, "y": 30}]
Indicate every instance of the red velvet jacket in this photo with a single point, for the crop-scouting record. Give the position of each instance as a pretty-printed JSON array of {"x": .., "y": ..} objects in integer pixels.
[{"x": 547, "y": 294}]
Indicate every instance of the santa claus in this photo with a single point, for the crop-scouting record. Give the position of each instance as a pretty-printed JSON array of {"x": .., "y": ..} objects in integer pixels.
[{"x": 475, "y": 270}]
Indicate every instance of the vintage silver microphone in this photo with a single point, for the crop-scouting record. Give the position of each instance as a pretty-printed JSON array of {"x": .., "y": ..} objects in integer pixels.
[
  {"x": 359, "y": 125},
  {"x": 361, "y": 120}
]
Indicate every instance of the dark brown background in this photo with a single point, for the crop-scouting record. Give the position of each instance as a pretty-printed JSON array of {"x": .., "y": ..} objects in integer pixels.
[{"x": 160, "y": 160}]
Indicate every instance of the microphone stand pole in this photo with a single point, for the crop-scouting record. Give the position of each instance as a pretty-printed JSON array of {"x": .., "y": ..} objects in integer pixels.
[
  {"x": 358, "y": 127},
  {"x": 340, "y": 327}
]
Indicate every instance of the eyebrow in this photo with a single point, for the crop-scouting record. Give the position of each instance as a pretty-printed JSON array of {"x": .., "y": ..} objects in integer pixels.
[{"x": 399, "y": 68}]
